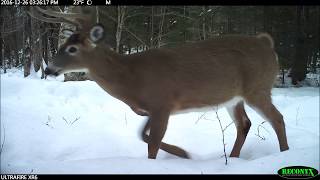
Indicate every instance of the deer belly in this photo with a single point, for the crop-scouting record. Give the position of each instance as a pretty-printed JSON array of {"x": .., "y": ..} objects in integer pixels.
[
  {"x": 139, "y": 111},
  {"x": 198, "y": 107}
]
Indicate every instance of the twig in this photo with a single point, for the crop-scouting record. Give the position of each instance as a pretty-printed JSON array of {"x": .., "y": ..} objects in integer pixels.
[
  {"x": 125, "y": 118},
  {"x": 65, "y": 120},
  {"x": 200, "y": 117},
  {"x": 4, "y": 139},
  {"x": 47, "y": 123},
  {"x": 125, "y": 28},
  {"x": 297, "y": 115},
  {"x": 227, "y": 126},
  {"x": 70, "y": 123},
  {"x": 207, "y": 119},
  {"x": 258, "y": 128},
  {"x": 75, "y": 120},
  {"x": 222, "y": 131}
]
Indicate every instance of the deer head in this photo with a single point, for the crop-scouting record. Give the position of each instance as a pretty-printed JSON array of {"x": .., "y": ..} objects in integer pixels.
[{"x": 79, "y": 42}]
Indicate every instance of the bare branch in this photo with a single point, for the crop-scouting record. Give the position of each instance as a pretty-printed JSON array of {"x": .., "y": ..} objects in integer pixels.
[
  {"x": 125, "y": 28},
  {"x": 202, "y": 116},
  {"x": 36, "y": 15},
  {"x": 48, "y": 122},
  {"x": 59, "y": 14},
  {"x": 258, "y": 128},
  {"x": 224, "y": 144},
  {"x": 65, "y": 120},
  {"x": 125, "y": 118},
  {"x": 175, "y": 14},
  {"x": 133, "y": 15},
  {"x": 227, "y": 126},
  {"x": 297, "y": 115},
  {"x": 75, "y": 120},
  {"x": 70, "y": 123},
  {"x": 4, "y": 139}
]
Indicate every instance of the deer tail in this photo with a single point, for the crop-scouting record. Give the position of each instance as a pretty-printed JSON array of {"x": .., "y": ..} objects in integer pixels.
[{"x": 266, "y": 38}]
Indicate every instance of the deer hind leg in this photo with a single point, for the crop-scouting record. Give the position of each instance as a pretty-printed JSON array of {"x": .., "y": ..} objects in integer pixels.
[
  {"x": 164, "y": 146},
  {"x": 262, "y": 104},
  {"x": 242, "y": 123}
]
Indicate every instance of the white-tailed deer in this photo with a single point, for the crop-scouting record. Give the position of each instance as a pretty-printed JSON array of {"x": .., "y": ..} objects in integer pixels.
[{"x": 160, "y": 82}]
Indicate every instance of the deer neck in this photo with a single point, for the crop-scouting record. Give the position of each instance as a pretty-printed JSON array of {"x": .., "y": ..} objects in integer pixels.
[{"x": 110, "y": 70}]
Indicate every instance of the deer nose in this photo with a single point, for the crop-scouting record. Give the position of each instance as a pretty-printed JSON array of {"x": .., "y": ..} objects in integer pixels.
[{"x": 48, "y": 71}]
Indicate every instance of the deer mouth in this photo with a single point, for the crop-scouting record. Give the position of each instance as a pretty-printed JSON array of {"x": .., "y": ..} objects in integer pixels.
[{"x": 50, "y": 72}]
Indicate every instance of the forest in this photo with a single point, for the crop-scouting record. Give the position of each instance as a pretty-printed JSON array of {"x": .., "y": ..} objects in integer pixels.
[
  {"x": 114, "y": 119},
  {"x": 29, "y": 43}
]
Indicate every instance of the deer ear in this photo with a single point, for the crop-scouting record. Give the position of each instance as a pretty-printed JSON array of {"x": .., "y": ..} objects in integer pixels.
[
  {"x": 67, "y": 32},
  {"x": 96, "y": 33}
]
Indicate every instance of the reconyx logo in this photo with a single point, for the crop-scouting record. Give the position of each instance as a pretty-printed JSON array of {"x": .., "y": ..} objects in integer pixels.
[{"x": 297, "y": 172}]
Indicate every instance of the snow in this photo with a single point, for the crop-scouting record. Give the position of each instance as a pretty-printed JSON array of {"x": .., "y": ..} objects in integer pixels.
[{"x": 50, "y": 126}]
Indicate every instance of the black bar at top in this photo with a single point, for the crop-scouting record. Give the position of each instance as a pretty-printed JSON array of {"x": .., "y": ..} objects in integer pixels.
[
  {"x": 167, "y": 2},
  {"x": 201, "y": 2},
  {"x": 198, "y": 2}
]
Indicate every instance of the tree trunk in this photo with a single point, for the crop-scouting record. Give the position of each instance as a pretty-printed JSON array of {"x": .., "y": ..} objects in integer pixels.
[
  {"x": 129, "y": 48},
  {"x": 282, "y": 77},
  {"x": 2, "y": 58},
  {"x": 229, "y": 20},
  {"x": 299, "y": 68},
  {"x": 152, "y": 28},
  {"x": 184, "y": 19},
  {"x": 163, "y": 13},
  {"x": 53, "y": 42},
  {"x": 204, "y": 23},
  {"x": 266, "y": 19},
  {"x": 318, "y": 29},
  {"x": 120, "y": 22},
  {"x": 27, "y": 62},
  {"x": 27, "y": 49},
  {"x": 36, "y": 49},
  {"x": 45, "y": 47},
  {"x": 316, "y": 52}
]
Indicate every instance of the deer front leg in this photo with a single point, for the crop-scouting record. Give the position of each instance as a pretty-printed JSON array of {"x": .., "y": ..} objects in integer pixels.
[
  {"x": 175, "y": 150},
  {"x": 158, "y": 126}
]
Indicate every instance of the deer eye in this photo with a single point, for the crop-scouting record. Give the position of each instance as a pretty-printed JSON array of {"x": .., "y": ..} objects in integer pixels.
[{"x": 72, "y": 50}]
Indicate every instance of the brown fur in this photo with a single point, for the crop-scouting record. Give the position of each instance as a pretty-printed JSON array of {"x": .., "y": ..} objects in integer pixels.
[{"x": 159, "y": 82}]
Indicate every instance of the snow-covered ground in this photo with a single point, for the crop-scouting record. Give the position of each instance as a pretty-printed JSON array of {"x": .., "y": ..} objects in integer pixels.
[{"x": 49, "y": 126}]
